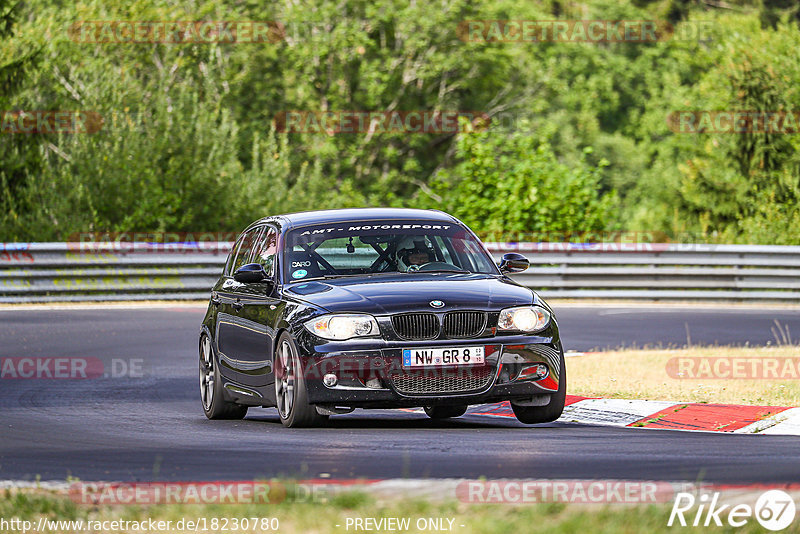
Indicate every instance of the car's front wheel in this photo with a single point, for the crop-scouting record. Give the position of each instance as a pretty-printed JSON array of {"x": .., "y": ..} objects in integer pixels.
[
  {"x": 552, "y": 410},
  {"x": 290, "y": 387},
  {"x": 214, "y": 404},
  {"x": 445, "y": 412}
]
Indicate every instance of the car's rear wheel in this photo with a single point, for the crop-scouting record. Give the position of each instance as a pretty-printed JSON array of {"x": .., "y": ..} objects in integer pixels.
[
  {"x": 552, "y": 410},
  {"x": 290, "y": 387},
  {"x": 214, "y": 404},
  {"x": 445, "y": 412}
]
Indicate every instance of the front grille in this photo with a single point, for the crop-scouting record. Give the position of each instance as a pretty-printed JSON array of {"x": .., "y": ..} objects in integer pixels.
[
  {"x": 456, "y": 325},
  {"x": 432, "y": 381},
  {"x": 464, "y": 324},
  {"x": 416, "y": 326}
]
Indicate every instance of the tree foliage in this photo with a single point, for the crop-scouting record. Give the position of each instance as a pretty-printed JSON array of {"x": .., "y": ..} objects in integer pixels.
[
  {"x": 18, "y": 154},
  {"x": 189, "y": 143},
  {"x": 505, "y": 185}
]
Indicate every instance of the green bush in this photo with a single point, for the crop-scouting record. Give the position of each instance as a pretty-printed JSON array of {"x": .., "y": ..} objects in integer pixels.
[
  {"x": 189, "y": 143},
  {"x": 507, "y": 185}
]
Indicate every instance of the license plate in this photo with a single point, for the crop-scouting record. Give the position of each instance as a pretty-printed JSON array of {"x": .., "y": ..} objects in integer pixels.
[{"x": 440, "y": 357}]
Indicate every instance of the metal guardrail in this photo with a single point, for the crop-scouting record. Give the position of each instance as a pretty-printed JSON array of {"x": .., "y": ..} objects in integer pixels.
[
  {"x": 669, "y": 271},
  {"x": 58, "y": 272},
  {"x": 77, "y": 272}
]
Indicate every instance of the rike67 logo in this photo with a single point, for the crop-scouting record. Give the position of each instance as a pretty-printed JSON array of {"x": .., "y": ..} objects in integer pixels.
[{"x": 774, "y": 510}]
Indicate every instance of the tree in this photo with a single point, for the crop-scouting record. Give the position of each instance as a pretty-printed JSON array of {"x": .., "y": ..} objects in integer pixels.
[
  {"x": 512, "y": 186},
  {"x": 733, "y": 187},
  {"x": 18, "y": 153}
]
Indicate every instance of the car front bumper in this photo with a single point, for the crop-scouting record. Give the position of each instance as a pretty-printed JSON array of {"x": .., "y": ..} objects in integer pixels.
[{"x": 369, "y": 373}]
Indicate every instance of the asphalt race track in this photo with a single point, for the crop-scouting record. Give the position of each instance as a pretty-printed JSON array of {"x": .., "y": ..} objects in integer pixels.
[{"x": 150, "y": 426}]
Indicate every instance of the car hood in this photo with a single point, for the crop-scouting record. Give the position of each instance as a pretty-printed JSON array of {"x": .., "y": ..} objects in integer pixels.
[{"x": 387, "y": 294}]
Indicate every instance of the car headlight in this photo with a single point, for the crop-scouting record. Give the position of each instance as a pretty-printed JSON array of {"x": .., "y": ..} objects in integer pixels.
[
  {"x": 523, "y": 318},
  {"x": 343, "y": 326}
]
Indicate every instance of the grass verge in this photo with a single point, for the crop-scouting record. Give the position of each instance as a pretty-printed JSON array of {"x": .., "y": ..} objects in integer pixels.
[
  {"x": 332, "y": 516},
  {"x": 644, "y": 374}
]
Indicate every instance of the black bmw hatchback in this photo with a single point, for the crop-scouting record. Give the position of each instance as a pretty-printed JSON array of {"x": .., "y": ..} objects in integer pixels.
[{"x": 319, "y": 313}]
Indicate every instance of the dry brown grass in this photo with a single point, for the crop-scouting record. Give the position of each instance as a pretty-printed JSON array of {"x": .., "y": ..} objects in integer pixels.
[{"x": 642, "y": 374}]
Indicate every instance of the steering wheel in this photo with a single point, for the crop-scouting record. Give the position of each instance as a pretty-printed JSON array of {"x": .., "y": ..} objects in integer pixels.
[{"x": 437, "y": 265}]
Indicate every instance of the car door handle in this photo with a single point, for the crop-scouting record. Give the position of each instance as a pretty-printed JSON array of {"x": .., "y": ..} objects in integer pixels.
[{"x": 238, "y": 305}]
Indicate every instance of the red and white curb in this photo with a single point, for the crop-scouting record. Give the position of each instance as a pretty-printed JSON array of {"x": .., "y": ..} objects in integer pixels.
[
  {"x": 731, "y": 418},
  {"x": 786, "y": 422}
]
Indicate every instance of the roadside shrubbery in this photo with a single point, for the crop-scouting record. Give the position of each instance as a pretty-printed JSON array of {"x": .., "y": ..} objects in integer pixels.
[{"x": 189, "y": 143}]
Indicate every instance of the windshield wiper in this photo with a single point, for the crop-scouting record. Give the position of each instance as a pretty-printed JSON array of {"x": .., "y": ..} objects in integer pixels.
[
  {"x": 459, "y": 271},
  {"x": 332, "y": 276},
  {"x": 326, "y": 277}
]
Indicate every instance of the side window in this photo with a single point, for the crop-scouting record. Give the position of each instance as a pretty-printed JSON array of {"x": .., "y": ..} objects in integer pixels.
[
  {"x": 266, "y": 250},
  {"x": 232, "y": 255},
  {"x": 245, "y": 251}
]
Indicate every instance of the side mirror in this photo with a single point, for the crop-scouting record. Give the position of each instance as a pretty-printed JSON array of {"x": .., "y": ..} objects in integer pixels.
[
  {"x": 513, "y": 262},
  {"x": 250, "y": 273}
]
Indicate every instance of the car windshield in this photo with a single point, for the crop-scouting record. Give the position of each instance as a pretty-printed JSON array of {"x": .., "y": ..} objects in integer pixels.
[{"x": 356, "y": 248}]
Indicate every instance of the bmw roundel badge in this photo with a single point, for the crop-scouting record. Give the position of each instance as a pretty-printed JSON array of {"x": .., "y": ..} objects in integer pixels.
[{"x": 437, "y": 304}]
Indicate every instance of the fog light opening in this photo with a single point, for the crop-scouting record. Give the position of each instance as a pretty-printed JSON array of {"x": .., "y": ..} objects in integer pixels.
[
  {"x": 536, "y": 372},
  {"x": 330, "y": 380}
]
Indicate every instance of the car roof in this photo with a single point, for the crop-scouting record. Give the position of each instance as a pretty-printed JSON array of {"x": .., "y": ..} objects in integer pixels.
[{"x": 305, "y": 218}]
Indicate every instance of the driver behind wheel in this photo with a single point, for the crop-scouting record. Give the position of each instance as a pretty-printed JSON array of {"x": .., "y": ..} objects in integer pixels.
[{"x": 412, "y": 252}]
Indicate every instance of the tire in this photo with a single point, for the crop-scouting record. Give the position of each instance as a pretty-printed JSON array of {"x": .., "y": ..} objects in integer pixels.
[
  {"x": 445, "y": 412},
  {"x": 291, "y": 394},
  {"x": 211, "y": 393},
  {"x": 532, "y": 415}
]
